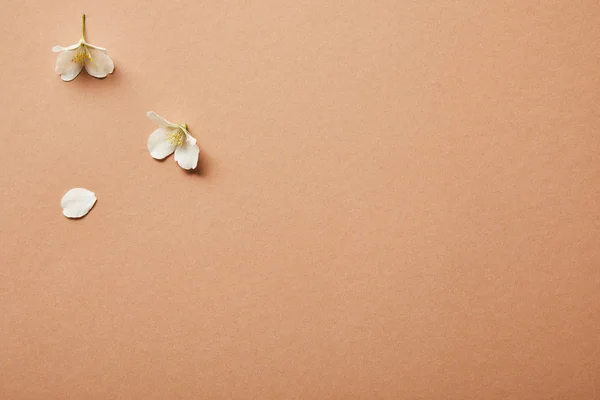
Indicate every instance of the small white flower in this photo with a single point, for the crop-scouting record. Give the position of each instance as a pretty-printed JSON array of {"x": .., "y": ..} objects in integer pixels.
[
  {"x": 169, "y": 138},
  {"x": 74, "y": 58},
  {"x": 76, "y": 203}
]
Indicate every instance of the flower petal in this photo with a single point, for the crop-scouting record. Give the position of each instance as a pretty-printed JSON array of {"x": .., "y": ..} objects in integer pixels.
[
  {"x": 160, "y": 120},
  {"x": 186, "y": 155},
  {"x": 77, "y": 202},
  {"x": 159, "y": 145},
  {"x": 58, "y": 49},
  {"x": 102, "y": 49},
  {"x": 65, "y": 66},
  {"x": 100, "y": 65}
]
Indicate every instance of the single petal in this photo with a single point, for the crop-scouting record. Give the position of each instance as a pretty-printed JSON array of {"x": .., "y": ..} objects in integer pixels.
[
  {"x": 77, "y": 202},
  {"x": 102, "y": 49},
  {"x": 189, "y": 138},
  {"x": 160, "y": 120},
  {"x": 65, "y": 66},
  {"x": 100, "y": 64},
  {"x": 58, "y": 49},
  {"x": 159, "y": 144},
  {"x": 186, "y": 155}
]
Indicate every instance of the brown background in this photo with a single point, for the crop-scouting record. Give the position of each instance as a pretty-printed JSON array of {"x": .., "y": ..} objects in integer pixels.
[{"x": 396, "y": 200}]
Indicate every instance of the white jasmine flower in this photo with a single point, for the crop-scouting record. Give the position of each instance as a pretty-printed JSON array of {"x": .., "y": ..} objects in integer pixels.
[
  {"x": 76, "y": 203},
  {"x": 169, "y": 138},
  {"x": 74, "y": 58}
]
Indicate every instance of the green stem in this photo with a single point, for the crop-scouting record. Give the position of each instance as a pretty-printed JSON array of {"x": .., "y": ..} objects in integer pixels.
[
  {"x": 185, "y": 127},
  {"x": 83, "y": 26}
]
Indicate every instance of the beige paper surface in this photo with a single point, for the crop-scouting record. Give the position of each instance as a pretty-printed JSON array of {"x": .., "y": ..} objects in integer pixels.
[{"x": 395, "y": 200}]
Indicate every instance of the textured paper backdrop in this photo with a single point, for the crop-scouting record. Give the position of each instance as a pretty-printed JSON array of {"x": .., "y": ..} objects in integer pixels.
[{"x": 396, "y": 200}]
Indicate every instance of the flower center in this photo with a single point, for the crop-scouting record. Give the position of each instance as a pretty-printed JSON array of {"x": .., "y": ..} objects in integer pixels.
[
  {"x": 82, "y": 55},
  {"x": 176, "y": 137}
]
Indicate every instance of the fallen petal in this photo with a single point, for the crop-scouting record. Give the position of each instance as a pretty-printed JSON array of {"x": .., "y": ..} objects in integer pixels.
[{"x": 77, "y": 202}]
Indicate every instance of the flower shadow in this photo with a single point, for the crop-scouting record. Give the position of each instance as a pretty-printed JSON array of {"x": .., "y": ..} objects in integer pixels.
[
  {"x": 90, "y": 82},
  {"x": 204, "y": 167}
]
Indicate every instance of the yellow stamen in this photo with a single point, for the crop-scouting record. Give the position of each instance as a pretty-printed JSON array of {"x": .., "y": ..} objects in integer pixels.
[
  {"x": 176, "y": 137},
  {"x": 82, "y": 55}
]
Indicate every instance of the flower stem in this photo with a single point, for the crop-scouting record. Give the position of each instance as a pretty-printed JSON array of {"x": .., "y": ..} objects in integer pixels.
[
  {"x": 185, "y": 127},
  {"x": 83, "y": 26}
]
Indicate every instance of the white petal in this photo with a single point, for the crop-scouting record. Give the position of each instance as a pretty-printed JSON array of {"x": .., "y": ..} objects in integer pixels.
[
  {"x": 67, "y": 69},
  {"x": 186, "y": 155},
  {"x": 102, "y": 49},
  {"x": 58, "y": 49},
  {"x": 160, "y": 120},
  {"x": 77, "y": 202},
  {"x": 159, "y": 145},
  {"x": 100, "y": 65}
]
